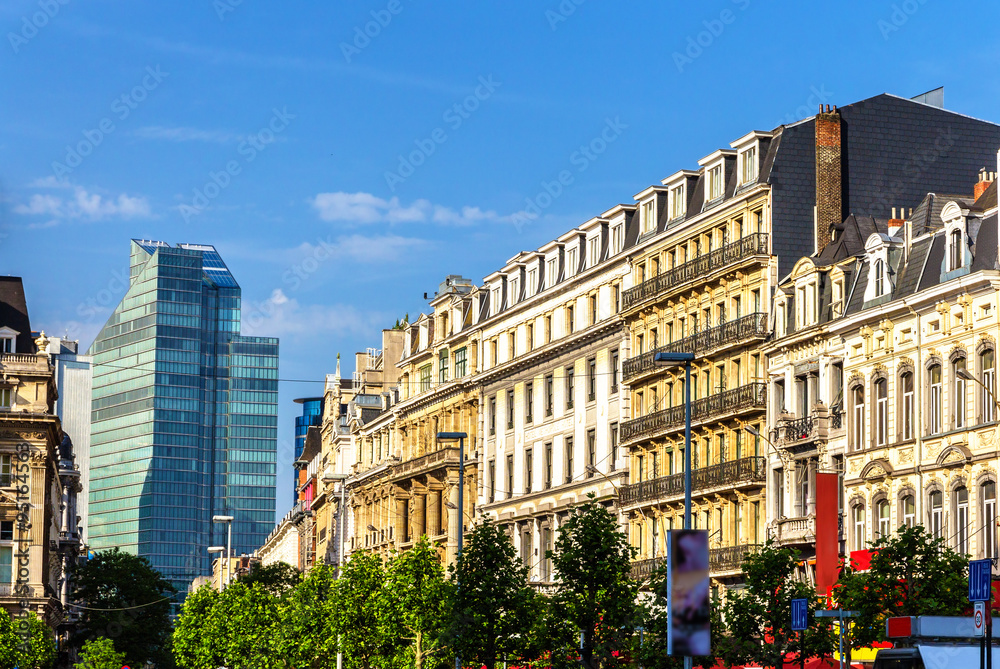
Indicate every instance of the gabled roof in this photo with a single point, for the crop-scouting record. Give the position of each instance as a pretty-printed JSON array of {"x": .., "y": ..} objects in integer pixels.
[
  {"x": 14, "y": 312},
  {"x": 851, "y": 238}
]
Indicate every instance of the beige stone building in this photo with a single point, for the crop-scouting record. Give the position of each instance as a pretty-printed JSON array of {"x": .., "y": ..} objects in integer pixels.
[{"x": 39, "y": 532}]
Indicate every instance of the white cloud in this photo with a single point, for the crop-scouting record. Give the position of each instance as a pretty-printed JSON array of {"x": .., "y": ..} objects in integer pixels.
[
  {"x": 83, "y": 204},
  {"x": 282, "y": 316},
  {"x": 366, "y": 208},
  {"x": 184, "y": 134}
]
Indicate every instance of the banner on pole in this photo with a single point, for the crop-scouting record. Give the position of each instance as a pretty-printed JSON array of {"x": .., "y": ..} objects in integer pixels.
[{"x": 688, "y": 603}]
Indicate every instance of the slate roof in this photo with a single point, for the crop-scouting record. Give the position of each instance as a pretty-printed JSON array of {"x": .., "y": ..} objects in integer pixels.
[
  {"x": 850, "y": 240},
  {"x": 14, "y": 312}
]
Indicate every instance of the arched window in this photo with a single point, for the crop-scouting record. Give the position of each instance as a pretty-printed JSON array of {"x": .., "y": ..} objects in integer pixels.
[
  {"x": 962, "y": 520},
  {"x": 955, "y": 254},
  {"x": 880, "y": 278},
  {"x": 988, "y": 496},
  {"x": 961, "y": 396},
  {"x": 908, "y": 506},
  {"x": 857, "y": 417},
  {"x": 936, "y": 514},
  {"x": 906, "y": 406},
  {"x": 936, "y": 399},
  {"x": 881, "y": 411},
  {"x": 987, "y": 393},
  {"x": 858, "y": 520},
  {"x": 882, "y": 514}
]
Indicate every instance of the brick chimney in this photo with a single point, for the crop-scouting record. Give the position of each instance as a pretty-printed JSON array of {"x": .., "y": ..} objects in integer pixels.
[
  {"x": 985, "y": 179},
  {"x": 829, "y": 190}
]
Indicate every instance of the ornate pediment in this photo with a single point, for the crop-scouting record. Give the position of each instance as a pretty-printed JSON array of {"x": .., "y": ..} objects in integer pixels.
[
  {"x": 954, "y": 455},
  {"x": 876, "y": 470}
]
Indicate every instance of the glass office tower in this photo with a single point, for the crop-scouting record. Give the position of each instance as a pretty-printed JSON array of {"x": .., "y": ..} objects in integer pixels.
[
  {"x": 184, "y": 416},
  {"x": 312, "y": 416}
]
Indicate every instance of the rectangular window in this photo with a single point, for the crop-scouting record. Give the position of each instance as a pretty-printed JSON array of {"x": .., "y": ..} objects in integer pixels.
[
  {"x": 570, "y": 372},
  {"x": 548, "y": 465},
  {"x": 549, "y": 383},
  {"x": 6, "y": 344},
  {"x": 748, "y": 161},
  {"x": 548, "y": 329},
  {"x": 528, "y": 470},
  {"x": 592, "y": 379},
  {"x": 5, "y": 470},
  {"x": 648, "y": 220},
  {"x": 617, "y": 297},
  {"x": 425, "y": 378},
  {"x": 593, "y": 251},
  {"x": 715, "y": 183},
  {"x": 6, "y": 397},
  {"x": 593, "y": 309},
  {"x": 677, "y": 204},
  {"x": 936, "y": 399},
  {"x": 639, "y": 469},
  {"x": 461, "y": 363},
  {"x": 532, "y": 285},
  {"x": 443, "y": 366},
  {"x": 779, "y": 493},
  {"x": 570, "y": 321},
  {"x": 615, "y": 362},
  {"x": 552, "y": 273},
  {"x": 988, "y": 365},
  {"x": 572, "y": 262},
  {"x": 493, "y": 480},
  {"x": 960, "y": 393},
  {"x": 569, "y": 459},
  {"x": 906, "y": 381},
  {"x": 6, "y": 564},
  {"x": 656, "y": 464},
  {"x": 515, "y": 293},
  {"x": 493, "y": 415},
  {"x": 510, "y": 409},
  {"x": 617, "y": 238},
  {"x": 6, "y": 530},
  {"x": 529, "y": 336},
  {"x": 510, "y": 477},
  {"x": 613, "y": 444},
  {"x": 529, "y": 401},
  {"x": 591, "y": 450}
]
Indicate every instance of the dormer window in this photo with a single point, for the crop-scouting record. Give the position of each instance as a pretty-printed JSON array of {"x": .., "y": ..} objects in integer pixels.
[
  {"x": 514, "y": 293},
  {"x": 572, "y": 262},
  {"x": 748, "y": 166},
  {"x": 552, "y": 272},
  {"x": 495, "y": 301},
  {"x": 880, "y": 278},
  {"x": 955, "y": 259},
  {"x": 532, "y": 282},
  {"x": 677, "y": 203},
  {"x": 6, "y": 344},
  {"x": 648, "y": 216},
  {"x": 715, "y": 182},
  {"x": 618, "y": 238},
  {"x": 593, "y": 251}
]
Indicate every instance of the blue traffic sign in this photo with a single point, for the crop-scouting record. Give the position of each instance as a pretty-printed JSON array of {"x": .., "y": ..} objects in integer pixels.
[
  {"x": 980, "y": 580},
  {"x": 800, "y": 614}
]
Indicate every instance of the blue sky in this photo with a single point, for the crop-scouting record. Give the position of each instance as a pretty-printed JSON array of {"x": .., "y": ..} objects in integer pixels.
[{"x": 345, "y": 157}]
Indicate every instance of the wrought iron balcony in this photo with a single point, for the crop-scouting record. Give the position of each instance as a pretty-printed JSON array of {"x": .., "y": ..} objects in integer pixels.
[
  {"x": 643, "y": 569},
  {"x": 700, "y": 267},
  {"x": 792, "y": 431},
  {"x": 742, "y": 330},
  {"x": 732, "y": 473},
  {"x": 730, "y": 558},
  {"x": 440, "y": 458},
  {"x": 750, "y": 396}
]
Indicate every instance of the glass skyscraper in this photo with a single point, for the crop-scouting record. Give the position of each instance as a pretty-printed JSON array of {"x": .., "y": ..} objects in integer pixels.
[
  {"x": 312, "y": 416},
  {"x": 184, "y": 416}
]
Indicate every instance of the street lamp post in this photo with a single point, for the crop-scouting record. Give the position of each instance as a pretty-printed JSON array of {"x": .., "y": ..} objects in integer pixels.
[
  {"x": 329, "y": 478},
  {"x": 229, "y": 543},
  {"x": 673, "y": 358},
  {"x": 461, "y": 437}
]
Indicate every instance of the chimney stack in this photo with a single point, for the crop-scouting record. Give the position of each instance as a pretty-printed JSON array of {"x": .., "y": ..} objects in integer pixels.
[
  {"x": 829, "y": 189},
  {"x": 985, "y": 179}
]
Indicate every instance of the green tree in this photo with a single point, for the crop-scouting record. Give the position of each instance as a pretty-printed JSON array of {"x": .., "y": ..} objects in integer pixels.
[
  {"x": 911, "y": 574},
  {"x": 418, "y": 597},
  {"x": 650, "y": 648},
  {"x": 100, "y": 653},
  {"x": 193, "y": 648},
  {"x": 277, "y": 577},
  {"x": 758, "y": 617},
  {"x": 128, "y": 601},
  {"x": 362, "y": 614},
  {"x": 493, "y": 605},
  {"x": 309, "y": 637},
  {"x": 31, "y": 647},
  {"x": 596, "y": 595},
  {"x": 247, "y": 620}
]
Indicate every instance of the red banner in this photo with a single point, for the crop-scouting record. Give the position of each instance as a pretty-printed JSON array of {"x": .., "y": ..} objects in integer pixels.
[{"x": 827, "y": 531}]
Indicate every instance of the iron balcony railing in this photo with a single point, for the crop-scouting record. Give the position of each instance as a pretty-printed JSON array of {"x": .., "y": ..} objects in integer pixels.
[
  {"x": 794, "y": 430},
  {"x": 746, "y": 247},
  {"x": 745, "y": 397},
  {"x": 743, "y": 329},
  {"x": 797, "y": 429},
  {"x": 444, "y": 456},
  {"x": 725, "y": 559},
  {"x": 734, "y": 472}
]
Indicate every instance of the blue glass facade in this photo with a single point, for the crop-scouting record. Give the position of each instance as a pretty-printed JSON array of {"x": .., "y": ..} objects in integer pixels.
[
  {"x": 184, "y": 416},
  {"x": 312, "y": 416}
]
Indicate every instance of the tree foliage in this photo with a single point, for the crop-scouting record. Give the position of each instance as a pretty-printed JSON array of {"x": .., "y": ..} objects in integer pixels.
[
  {"x": 100, "y": 653},
  {"x": 758, "y": 618},
  {"x": 596, "y": 595},
  {"x": 493, "y": 604},
  {"x": 417, "y": 598},
  {"x": 911, "y": 574},
  {"x": 360, "y": 617},
  {"x": 28, "y": 647},
  {"x": 127, "y": 601},
  {"x": 277, "y": 577},
  {"x": 308, "y": 629}
]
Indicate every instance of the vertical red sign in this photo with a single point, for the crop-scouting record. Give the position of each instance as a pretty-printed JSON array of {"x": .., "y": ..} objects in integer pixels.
[{"x": 827, "y": 531}]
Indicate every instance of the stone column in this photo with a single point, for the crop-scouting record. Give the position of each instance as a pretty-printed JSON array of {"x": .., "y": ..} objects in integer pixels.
[
  {"x": 418, "y": 516},
  {"x": 433, "y": 512},
  {"x": 454, "y": 516}
]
